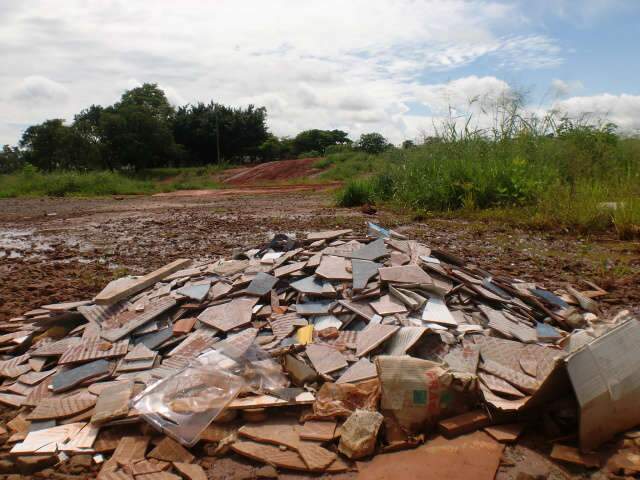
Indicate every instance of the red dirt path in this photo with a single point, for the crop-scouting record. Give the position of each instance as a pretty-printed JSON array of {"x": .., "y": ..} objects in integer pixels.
[{"x": 270, "y": 171}]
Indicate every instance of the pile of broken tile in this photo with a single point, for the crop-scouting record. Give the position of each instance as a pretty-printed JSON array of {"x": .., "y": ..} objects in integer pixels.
[{"x": 381, "y": 341}]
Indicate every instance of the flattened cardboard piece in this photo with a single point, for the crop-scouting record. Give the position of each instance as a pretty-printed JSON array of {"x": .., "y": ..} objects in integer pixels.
[
  {"x": 334, "y": 268},
  {"x": 171, "y": 451},
  {"x": 94, "y": 350},
  {"x": 113, "y": 403},
  {"x": 319, "y": 307},
  {"x": 343, "y": 250},
  {"x": 288, "y": 459},
  {"x": 83, "y": 440},
  {"x": 261, "y": 284},
  {"x": 155, "y": 339},
  {"x": 313, "y": 285},
  {"x": 325, "y": 359},
  {"x": 113, "y": 294},
  {"x": 48, "y": 440},
  {"x": 409, "y": 298},
  {"x": 404, "y": 339},
  {"x": 68, "y": 379},
  {"x": 361, "y": 308},
  {"x": 282, "y": 325},
  {"x": 387, "y": 305},
  {"x": 230, "y": 315},
  {"x": 219, "y": 290},
  {"x": 510, "y": 329},
  {"x": 315, "y": 457},
  {"x": 363, "y": 271},
  {"x": 325, "y": 321},
  {"x": 436, "y": 311},
  {"x": 473, "y": 456},
  {"x": 15, "y": 401},
  {"x": 191, "y": 471},
  {"x": 50, "y": 408},
  {"x": 235, "y": 346},
  {"x": 33, "y": 378},
  {"x": 150, "y": 312},
  {"x": 194, "y": 345},
  {"x": 373, "y": 336},
  {"x": 184, "y": 326},
  {"x": 130, "y": 449},
  {"x": 40, "y": 392},
  {"x": 275, "y": 432},
  {"x": 363, "y": 369},
  {"x": 317, "y": 430},
  {"x": 98, "y": 314},
  {"x": 507, "y": 433},
  {"x": 372, "y": 251},
  {"x": 327, "y": 235},
  {"x": 605, "y": 375},
  {"x": 407, "y": 274},
  {"x": 463, "y": 358},
  {"x": 57, "y": 348},
  {"x": 499, "y": 386},
  {"x": 519, "y": 379},
  {"x": 270, "y": 454},
  {"x": 197, "y": 292},
  {"x": 140, "y": 352},
  {"x": 285, "y": 270}
]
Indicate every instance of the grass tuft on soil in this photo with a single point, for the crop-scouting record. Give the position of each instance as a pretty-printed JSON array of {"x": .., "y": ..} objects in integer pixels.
[
  {"x": 32, "y": 183},
  {"x": 580, "y": 177}
]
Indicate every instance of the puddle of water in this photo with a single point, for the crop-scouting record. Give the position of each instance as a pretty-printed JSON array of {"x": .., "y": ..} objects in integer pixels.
[{"x": 25, "y": 243}]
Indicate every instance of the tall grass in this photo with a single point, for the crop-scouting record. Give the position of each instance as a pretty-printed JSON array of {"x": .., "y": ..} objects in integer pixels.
[
  {"x": 550, "y": 171},
  {"x": 31, "y": 182}
]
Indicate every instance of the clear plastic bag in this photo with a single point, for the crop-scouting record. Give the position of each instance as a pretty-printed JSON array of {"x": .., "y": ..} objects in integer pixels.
[{"x": 182, "y": 405}]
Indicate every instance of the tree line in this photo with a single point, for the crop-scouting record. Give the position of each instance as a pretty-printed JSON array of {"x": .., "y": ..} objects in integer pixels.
[{"x": 143, "y": 130}]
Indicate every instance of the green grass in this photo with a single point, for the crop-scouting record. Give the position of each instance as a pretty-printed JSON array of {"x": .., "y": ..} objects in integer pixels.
[
  {"x": 32, "y": 183},
  {"x": 551, "y": 180}
]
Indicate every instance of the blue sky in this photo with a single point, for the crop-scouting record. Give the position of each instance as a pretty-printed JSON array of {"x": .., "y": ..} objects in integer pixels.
[{"x": 393, "y": 66}]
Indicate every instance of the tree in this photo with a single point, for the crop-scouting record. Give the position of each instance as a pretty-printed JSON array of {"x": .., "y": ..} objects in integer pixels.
[
  {"x": 150, "y": 97},
  {"x": 10, "y": 159},
  {"x": 408, "y": 144},
  {"x": 133, "y": 137},
  {"x": 318, "y": 140},
  {"x": 242, "y": 132},
  {"x": 372, "y": 143},
  {"x": 52, "y": 145}
]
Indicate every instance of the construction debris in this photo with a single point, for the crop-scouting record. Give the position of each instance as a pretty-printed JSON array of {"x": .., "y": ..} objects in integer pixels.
[{"x": 298, "y": 353}]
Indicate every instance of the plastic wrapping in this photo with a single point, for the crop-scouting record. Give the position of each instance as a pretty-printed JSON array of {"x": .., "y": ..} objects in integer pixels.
[{"x": 182, "y": 405}]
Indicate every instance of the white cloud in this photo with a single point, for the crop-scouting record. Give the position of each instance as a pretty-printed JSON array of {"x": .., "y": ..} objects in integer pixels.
[
  {"x": 623, "y": 110},
  {"x": 561, "y": 88},
  {"x": 468, "y": 93},
  {"x": 356, "y": 65},
  {"x": 36, "y": 88},
  {"x": 331, "y": 64}
]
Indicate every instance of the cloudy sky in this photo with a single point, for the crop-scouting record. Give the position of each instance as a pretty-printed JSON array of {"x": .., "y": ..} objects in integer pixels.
[{"x": 393, "y": 66}]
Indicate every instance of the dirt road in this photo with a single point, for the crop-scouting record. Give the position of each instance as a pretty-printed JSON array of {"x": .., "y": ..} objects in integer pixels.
[{"x": 53, "y": 250}]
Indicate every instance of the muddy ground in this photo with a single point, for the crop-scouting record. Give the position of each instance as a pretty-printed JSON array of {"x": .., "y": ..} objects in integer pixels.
[{"x": 53, "y": 250}]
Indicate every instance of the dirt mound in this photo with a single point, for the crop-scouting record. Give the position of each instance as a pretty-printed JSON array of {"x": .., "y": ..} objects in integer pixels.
[{"x": 271, "y": 171}]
